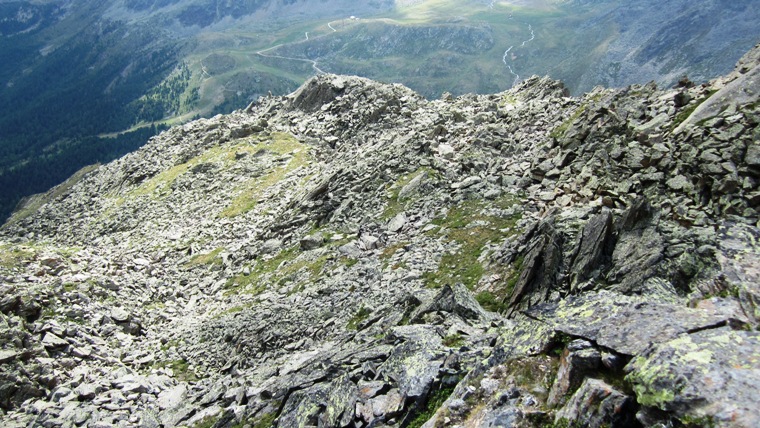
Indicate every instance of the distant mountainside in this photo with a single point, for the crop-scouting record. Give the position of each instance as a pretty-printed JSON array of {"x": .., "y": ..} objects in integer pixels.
[
  {"x": 84, "y": 81},
  {"x": 354, "y": 255}
]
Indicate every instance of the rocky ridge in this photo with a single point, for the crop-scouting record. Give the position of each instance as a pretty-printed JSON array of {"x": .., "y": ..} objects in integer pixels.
[{"x": 356, "y": 255}]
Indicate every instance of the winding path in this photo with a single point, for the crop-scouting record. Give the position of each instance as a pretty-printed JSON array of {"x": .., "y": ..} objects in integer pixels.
[
  {"x": 311, "y": 61},
  {"x": 506, "y": 53}
]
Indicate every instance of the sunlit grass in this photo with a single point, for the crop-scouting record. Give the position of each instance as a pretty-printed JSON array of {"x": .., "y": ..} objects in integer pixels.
[{"x": 253, "y": 190}]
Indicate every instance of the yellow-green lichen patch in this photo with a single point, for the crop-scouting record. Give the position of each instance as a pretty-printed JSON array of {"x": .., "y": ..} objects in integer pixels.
[
  {"x": 654, "y": 384},
  {"x": 295, "y": 156},
  {"x": 526, "y": 337},
  {"x": 702, "y": 356}
]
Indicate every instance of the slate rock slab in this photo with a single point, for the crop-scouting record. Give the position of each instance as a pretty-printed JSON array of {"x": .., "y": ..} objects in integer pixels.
[
  {"x": 712, "y": 374},
  {"x": 626, "y": 324}
]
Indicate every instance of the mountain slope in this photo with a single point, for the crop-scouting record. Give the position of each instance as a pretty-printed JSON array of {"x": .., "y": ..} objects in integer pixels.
[
  {"x": 86, "y": 81},
  {"x": 353, "y": 254}
]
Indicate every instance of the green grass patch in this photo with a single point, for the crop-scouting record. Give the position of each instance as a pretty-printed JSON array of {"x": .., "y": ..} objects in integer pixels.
[
  {"x": 159, "y": 185},
  {"x": 181, "y": 369},
  {"x": 210, "y": 258},
  {"x": 686, "y": 112},
  {"x": 434, "y": 402},
  {"x": 453, "y": 340},
  {"x": 265, "y": 421},
  {"x": 560, "y": 130},
  {"x": 285, "y": 267},
  {"x": 282, "y": 144},
  {"x": 490, "y": 301},
  {"x": 360, "y": 316},
  {"x": 12, "y": 256},
  {"x": 256, "y": 281},
  {"x": 471, "y": 225}
]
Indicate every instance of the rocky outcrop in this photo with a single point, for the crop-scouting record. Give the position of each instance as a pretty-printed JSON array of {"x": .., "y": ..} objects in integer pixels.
[{"x": 356, "y": 255}]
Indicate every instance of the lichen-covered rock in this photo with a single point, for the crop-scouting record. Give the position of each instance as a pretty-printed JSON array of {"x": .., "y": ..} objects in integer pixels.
[
  {"x": 414, "y": 365},
  {"x": 627, "y": 325},
  {"x": 709, "y": 375},
  {"x": 596, "y": 404}
]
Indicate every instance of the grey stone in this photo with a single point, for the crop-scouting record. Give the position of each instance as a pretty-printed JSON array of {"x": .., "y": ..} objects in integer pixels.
[
  {"x": 271, "y": 246},
  {"x": 680, "y": 182},
  {"x": 312, "y": 242},
  {"x": 593, "y": 250},
  {"x": 596, "y": 404},
  {"x": 397, "y": 222},
  {"x": 413, "y": 186},
  {"x": 86, "y": 391},
  {"x": 540, "y": 268},
  {"x": 119, "y": 314},
  {"x": 369, "y": 242},
  {"x": 752, "y": 158},
  {"x": 446, "y": 151},
  {"x": 171, "y": 398},
  {"x": 8, "y": 355},
  {"x": 454, "y": 299},
  {"x": 51, "y": 341},
  {"x": 350, "y": 250},
  {"x": 639, "y": 247},
  {"x": 467, "y": 182}
]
